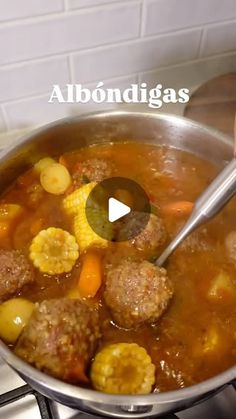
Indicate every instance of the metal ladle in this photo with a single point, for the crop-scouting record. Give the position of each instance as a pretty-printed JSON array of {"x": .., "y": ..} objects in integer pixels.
[{"x": 218, "y": 193}]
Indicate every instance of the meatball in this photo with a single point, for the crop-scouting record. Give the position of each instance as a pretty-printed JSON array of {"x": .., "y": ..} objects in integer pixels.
[
  {"x": 91, "y": 170},
  {"x": 15, "y": 272},
  {"x": 137, "y": 292},
  {"x": 230, "y": 244},
  {"x": 151, "y": 236},
  {"x": 60, "y": 338}
]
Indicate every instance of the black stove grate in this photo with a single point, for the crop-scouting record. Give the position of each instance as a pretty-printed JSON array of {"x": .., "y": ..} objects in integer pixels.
[{"x": 20, "y": 392}]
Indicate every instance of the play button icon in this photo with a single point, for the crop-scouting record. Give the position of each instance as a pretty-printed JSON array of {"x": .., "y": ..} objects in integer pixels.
[{"x": 116, "y": 210}]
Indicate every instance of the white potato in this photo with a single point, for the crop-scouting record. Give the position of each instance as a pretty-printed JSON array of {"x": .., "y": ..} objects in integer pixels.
[
  {"x": 43, "y": 164},
  {"x": 55, "y": 179},
  {"x": 14, "y": 315},
  {"x": 221, "y": 288}
]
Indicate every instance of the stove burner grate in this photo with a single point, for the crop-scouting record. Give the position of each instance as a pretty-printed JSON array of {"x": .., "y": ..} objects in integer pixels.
[{"x": 44, "y": 405}]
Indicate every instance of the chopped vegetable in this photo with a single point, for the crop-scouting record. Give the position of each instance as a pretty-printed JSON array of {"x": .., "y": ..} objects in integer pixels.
[
  {"x": 85, "y": 235},
  {"x": 123, "y": 368},
  {"x": 54, "y": 251},
  {"x": 221, "y": 287},
  {"x": 91, "y": 275},
  {"x": 75, "y": 204},
  {"x": 180, "y": 208},
  {"x": 9, "y": 212},
  {"x": 14, "y": 315},
  {"x": 77, "y": 200},
  {"x": 211, "y": 341},
  {"x": 43, "y": 164},
  {"x": 55, "y": 179}
]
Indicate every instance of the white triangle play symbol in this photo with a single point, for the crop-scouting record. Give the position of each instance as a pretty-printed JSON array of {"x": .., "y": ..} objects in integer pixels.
[{"x": 117, "y": 209}]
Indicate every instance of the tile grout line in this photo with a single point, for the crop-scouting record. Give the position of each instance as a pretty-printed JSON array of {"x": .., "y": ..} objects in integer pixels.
[
  {"x": 71, "y": 69},
  {"x": 5, "y": 117},
  {"x": 143, "y": 20},
  {"x": 202, "y": 42}
]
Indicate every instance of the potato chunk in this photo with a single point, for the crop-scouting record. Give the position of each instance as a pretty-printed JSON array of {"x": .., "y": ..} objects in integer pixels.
[
  {"x": 55, "y": 179},
  {"x": 43, "y": 164},
  {"x": 221, "y": 287},
  {"x": 14, "y": 315}
]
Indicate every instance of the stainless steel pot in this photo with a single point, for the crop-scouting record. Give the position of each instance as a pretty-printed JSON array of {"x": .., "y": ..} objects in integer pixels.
[{"x": 77, "y": 132}]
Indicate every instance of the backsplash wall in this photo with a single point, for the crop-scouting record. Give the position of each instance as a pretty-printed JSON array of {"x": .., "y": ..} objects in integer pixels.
[{"x": 42, "y": 42}]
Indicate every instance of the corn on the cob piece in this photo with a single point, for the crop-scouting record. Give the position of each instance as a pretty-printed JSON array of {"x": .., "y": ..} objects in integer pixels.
[
  {"x": 85, "y": 235},
  {"x": 54, "y": 251},
  {"x": 75, "y": 205},
  {"x": 123, "y": 368},
  {"x": 78, "y": 199}
]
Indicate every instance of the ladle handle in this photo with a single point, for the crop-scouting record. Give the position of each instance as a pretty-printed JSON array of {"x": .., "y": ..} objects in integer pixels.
[{"x": 210, "y": 202}]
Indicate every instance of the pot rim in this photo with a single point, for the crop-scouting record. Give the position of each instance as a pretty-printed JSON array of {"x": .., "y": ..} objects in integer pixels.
[{"x": 89, "y": 395}]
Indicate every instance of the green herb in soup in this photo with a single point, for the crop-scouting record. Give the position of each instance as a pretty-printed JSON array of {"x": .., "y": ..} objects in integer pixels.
[{"x": 95, "y": 311}]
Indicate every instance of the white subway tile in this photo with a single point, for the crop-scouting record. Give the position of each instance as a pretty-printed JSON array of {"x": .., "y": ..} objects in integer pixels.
[
  {"x": 2, "y": 123},
  {"x": 32, "y": 78},
  {"x": 219, "y": 38},
  {"x": 76, "y": 4},
  {"x": 37, "y": 111},
  {"x": 68, "y": 32},
  {"x": 169, "y": 15},
  {"x": 34, "y": 112},
  {"x": 15, "y": 9},
  {"x": 140, "y": 55},
  {"x": 121, "y": 83},
  {"x": 192, "y": 74}
]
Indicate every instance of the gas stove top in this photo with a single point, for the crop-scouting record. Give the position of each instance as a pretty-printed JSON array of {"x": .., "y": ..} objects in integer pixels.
[{"x": 19, "y": 401}]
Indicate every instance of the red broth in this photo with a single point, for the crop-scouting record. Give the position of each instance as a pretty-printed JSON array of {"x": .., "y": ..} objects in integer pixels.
[{"x": 196, "y": 337}]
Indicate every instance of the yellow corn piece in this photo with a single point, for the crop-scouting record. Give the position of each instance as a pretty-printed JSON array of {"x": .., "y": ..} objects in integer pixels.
[
  {"x": 54, "y": 251},
  {"x": 75, "y": 205},
  {"x": 123, "y": 368},
  {"x": 78, "y": 198},
  {"x": 85, "y": 235}
]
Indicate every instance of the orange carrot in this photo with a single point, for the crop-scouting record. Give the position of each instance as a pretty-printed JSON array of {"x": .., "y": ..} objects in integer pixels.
[
  {"x": 179, "y": 208},
  {"x": 91, "y": 275}
]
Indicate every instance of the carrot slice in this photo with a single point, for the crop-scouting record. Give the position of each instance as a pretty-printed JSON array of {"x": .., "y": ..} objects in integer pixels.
[
  {"x": 179, "y": 208},
  {"x": 91, "y": 275}
]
